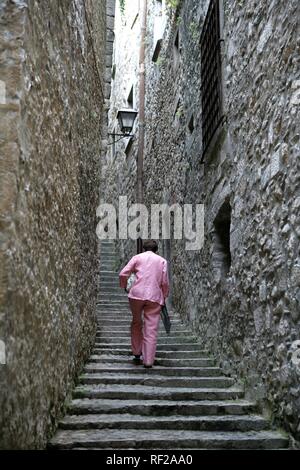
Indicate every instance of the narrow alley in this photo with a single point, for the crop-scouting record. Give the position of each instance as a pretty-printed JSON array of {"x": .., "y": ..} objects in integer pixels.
[
  {"x": 162, "y": 135},
  {"x": 185, "y": 402}
]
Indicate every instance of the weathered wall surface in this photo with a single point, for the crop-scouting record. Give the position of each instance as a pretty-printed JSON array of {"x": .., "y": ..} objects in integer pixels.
[
  {"x": 51, "y": 65},
  {"x": 249, "y": 317}
]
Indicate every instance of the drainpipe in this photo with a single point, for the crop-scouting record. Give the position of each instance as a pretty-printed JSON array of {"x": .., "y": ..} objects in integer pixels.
[{"x": 141, "y": 142}]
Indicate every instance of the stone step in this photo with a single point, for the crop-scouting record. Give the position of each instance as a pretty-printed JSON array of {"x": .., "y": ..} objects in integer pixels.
[
  {"x": 193, "y": 423},
  {"x": 159, "y": 353},
  {"x": 177, "y": 326},
  {"x": 164, "y": 439},
  {"x": 178, "y": 339},
  {"x": 125, "y": 328},
  {"x": 105, "y": 315},
  {"x": 162, "y": 407},
  {"x": 111, "y": 299},
  {"x": 118, "y": 321},
  {"x": 111, "y": 327},
  {"x": 111, "y": 304},
  {"x": 109, "y": 272},
  {"x": 107, "y": 252},
  {"x": 125, "y": 332},
  {"x": 126, "y": 315},
  {"x": 144, "y": 392},
  {"x": 201, "y": 362},
  {"x": 117, "y": 291},
  {"x": 126, "y": 318},
  {"x": 117, "y": 333},
  {"x": 109, "y": 311},
  {"x": 117, "y": 311},
  {"x": 113, "y": 296},
  {"x": 123, "y": 312},
  {"x": 156, "y": 380},
  {"x": 113, "y": 287},
  {"x": 108, "y": 288},
  {"x": 114, "y": 299},
  {"x": 123, "y": 315},
  {"x": 161, "y": 347},
  {"x": 132, "y": 369},
  {"x": 109, "y": 277},
  {"x": 109, "y": 285}
]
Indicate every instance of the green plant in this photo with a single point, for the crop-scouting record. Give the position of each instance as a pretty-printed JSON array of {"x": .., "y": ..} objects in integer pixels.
[
  {"x": 179, "y": 20},
  {"x": 122, "y": 6},
  {"x": 160, "y": 61},
  {"x": 179, "y": 111},
  {"x": 172, "y": 3},
  {"x": 193, "y": 28}
]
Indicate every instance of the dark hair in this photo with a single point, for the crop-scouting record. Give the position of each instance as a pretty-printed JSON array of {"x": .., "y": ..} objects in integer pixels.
[{"x": 150, "y": 245}]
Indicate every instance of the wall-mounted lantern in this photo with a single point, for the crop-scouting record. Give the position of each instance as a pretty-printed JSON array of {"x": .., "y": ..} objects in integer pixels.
[{"x": 126, "y": 118}]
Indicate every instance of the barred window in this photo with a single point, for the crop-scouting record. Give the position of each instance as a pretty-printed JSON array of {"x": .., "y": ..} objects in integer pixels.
[{"x": 211, "y": 84}]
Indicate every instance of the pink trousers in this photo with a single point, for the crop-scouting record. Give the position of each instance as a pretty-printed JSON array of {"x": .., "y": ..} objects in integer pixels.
[{"x": 143, "y": 340}]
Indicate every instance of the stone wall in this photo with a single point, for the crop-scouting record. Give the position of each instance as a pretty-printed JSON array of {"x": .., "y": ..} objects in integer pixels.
[
  {"x": 248, "y": 315},
  {"x": 51, "y": 71}
]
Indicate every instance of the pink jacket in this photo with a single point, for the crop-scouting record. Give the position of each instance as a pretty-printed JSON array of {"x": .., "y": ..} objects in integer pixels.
[{"x": 152, "y": 282}]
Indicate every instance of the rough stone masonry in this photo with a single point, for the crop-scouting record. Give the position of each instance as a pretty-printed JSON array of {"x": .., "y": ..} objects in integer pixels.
[
  {"x": 242, "y": 295},
  {"x": 51, "y": 103}
]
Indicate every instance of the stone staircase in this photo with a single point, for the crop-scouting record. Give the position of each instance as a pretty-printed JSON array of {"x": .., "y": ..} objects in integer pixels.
[{"x": 183, "y": 402}]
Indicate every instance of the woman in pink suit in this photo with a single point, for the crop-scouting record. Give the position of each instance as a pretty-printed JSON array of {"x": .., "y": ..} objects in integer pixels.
[{"x": 147, "y": 294}]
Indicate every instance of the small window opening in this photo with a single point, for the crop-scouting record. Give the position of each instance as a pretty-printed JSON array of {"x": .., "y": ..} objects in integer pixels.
[
  {"x": 191, "y": 124},
  {"x": 176, "y": 50},
  {"x": 128, "y": 147},
  {"x": 130, "y": 99},
  {"x": 176, "y": 43},
  {"x": 211, "y": 75},
  {"x": 179, "y": 113},
  {"x": 221, "y": 252}
]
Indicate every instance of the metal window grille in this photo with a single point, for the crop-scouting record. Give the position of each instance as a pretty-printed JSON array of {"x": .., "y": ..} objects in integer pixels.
[{"x": 211, "y": 88}]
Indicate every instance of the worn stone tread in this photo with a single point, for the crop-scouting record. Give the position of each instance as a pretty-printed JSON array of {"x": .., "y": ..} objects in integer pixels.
[
  {"x": 161, "y": 353},
  {"x": 129, "y": 421},
  {"x": 134, "y": 369},
  {"x": 144, "y": 392},
  {"x": 161, "y": 361},
  {"x": 161, "y": 439},
  {"x": 156, "y": 380},
  {"x": 158, "y": 407},
  {"x": 161, "y": 346}
]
